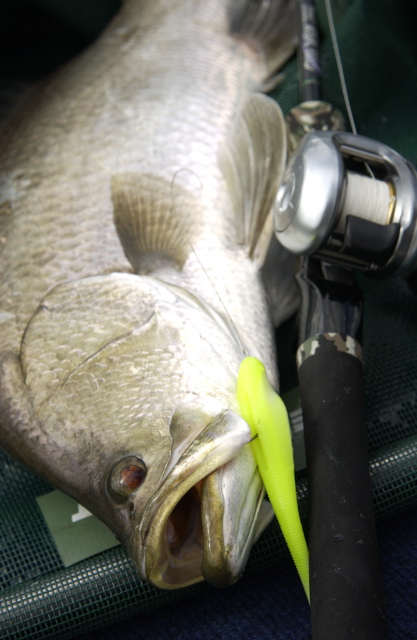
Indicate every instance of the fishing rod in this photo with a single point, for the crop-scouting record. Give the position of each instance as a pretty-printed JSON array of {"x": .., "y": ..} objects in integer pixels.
[{"x": 347, "y": 203}]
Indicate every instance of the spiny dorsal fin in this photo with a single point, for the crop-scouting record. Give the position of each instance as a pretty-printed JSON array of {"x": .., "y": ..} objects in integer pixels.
[
  {"x": 253, "y": 160},
  {"x": 268, "y": 27},
  {"x": 156, "y": 219}
]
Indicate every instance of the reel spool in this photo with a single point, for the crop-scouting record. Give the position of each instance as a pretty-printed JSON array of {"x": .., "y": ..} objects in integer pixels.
[{"x": 350, "y": 200}]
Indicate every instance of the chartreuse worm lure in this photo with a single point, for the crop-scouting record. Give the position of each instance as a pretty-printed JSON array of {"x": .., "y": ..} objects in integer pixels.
[{"x": 267, "y": 417}]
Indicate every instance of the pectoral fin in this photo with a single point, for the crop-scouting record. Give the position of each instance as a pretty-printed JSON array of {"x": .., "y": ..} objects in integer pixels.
[
  {"x": 253, "y": 160},
  {"x": 156, "y": 219}
]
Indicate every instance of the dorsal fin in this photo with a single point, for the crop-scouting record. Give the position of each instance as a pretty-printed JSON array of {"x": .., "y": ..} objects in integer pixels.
[
  {"x": 253, "y": 160},
  {"x": 156, "y": 219},
  {"x": 269, "y": 28}
]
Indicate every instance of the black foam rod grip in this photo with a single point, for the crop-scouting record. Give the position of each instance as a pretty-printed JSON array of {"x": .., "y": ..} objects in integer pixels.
[{"x": 347, "y": 596}]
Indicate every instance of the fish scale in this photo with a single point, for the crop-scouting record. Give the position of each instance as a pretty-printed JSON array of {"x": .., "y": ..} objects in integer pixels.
[{"x": 135, "y": 190}]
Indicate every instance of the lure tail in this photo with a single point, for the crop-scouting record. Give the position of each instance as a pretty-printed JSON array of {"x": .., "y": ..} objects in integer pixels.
[{"x": 266, "y": 415}]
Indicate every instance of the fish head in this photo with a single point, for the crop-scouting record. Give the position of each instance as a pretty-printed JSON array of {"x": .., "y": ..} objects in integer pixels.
[{"x": 133, "y": 382}]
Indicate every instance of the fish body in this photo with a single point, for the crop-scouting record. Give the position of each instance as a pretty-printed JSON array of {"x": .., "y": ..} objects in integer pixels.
[{"x": 135, "y": 190}]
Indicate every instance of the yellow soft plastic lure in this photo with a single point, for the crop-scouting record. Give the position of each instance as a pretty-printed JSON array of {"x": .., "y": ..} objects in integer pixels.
[{"x": 267, "y": 417}]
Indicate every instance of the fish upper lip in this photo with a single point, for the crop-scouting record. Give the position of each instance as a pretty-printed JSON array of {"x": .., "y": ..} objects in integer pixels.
[{"x": 176, "y": 562}]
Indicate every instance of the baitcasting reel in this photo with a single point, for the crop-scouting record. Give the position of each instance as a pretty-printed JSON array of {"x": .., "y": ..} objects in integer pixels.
[{"x": 350, "y": 200}]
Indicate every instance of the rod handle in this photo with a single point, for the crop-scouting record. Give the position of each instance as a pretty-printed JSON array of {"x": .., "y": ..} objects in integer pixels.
[{"x": 347, "y": 595}]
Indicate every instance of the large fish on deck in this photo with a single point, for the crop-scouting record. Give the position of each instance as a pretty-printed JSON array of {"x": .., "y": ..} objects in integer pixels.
[{"x": 135, "y": 191}]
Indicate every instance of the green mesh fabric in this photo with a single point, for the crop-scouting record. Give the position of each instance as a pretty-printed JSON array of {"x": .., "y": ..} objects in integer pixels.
[{"x": 39, "y": 598}]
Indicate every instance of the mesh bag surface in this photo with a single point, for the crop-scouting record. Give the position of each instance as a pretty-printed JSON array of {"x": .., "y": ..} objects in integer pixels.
[{"x": 39, "y": 598}]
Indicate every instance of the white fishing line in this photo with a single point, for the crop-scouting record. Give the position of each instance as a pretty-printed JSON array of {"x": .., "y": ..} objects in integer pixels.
[
  {"x": 341, "y": 73},
  {"x": 233, "y": 329},
  {"x": 339, "y": 65},
  {"x": 197, "y": 184},
  {"x": 366, "y": 198}
]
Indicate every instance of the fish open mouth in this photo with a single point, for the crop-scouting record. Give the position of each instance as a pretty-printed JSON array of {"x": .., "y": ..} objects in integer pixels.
[
  {"x": 182, "y": 544},
  {"x": 207, "y": 513}
]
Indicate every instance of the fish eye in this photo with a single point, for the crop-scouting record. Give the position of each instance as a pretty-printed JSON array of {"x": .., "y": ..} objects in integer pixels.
[{"x": 125, "y": 477}]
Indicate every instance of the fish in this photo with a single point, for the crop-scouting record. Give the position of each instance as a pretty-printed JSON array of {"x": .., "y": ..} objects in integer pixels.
[{"x": 135, "y": 196}]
